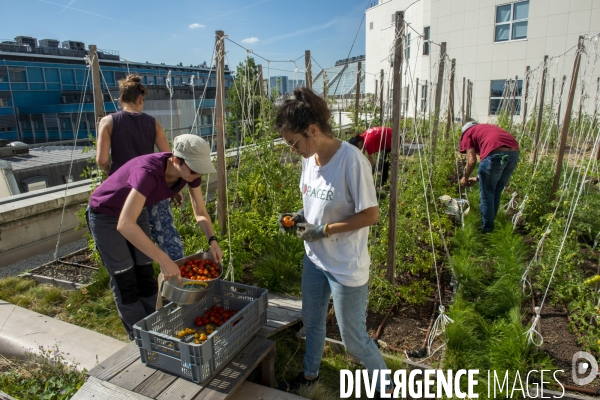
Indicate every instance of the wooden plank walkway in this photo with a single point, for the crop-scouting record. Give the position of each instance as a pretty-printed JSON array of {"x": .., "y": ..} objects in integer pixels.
[{"x": 124, "y": 376}]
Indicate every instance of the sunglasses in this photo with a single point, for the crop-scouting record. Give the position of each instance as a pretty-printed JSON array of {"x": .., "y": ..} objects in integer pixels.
[
  {"x": 191, "y": 170},
  {"x": 293, "y": 145}
]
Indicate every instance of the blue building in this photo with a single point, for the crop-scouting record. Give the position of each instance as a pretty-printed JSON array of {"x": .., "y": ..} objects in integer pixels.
[{"x": 46, "y": 91}]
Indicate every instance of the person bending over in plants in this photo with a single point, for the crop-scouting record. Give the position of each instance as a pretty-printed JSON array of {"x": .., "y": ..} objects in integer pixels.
[
  {"x": 130, "y": 133},
  {"x": 373, "y": 140},
  {"x": 498, "y": 151},
  {"x": 340, "y": 204},
  {"x": 118, "y": 221}
]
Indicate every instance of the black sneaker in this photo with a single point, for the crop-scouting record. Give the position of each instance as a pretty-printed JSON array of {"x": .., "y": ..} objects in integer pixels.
[{"x": 293, "y": 384}]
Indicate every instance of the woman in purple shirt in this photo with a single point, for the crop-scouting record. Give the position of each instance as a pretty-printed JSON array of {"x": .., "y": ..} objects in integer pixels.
[{"x": 118, "y": 221}]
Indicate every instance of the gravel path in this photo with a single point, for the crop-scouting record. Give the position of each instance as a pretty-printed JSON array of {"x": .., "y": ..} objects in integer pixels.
[{"x": 36, "y": 261}]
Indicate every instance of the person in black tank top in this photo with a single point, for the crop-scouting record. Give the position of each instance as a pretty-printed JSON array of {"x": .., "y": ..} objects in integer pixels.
[{"x": 130, "y": 133}]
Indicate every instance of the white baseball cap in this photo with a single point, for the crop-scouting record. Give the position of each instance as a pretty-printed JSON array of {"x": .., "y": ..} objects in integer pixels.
[
  {"x": 467, "y": 126},
  {"x": 196, "y": 153}
]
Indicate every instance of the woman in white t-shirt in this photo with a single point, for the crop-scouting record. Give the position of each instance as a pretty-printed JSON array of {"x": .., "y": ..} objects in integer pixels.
[{"x": 340, "y": 204}]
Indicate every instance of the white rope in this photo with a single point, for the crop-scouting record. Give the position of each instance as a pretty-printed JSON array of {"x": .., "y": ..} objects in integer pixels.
[
  {"x": 76, "y": 133},
  {"x": 170, "y": 89},
  {"x": 533, "y": 335},
  {"x": 439, "y": 327}
]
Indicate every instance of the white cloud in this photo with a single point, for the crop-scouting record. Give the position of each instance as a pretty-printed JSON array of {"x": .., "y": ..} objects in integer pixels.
[
  {"x": 196, "y": 25},
  {"x": 251, "y": 40}
]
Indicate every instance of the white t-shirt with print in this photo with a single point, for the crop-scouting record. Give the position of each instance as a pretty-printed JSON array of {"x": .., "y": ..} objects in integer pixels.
[{"x": 330, "y": 194}]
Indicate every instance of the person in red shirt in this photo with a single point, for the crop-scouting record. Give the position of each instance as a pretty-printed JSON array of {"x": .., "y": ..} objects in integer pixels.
[
  {"x": 373, "y": 140},
  {"x": 498, "y": 151}
]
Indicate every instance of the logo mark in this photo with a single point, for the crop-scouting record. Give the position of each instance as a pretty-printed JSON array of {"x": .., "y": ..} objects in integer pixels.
[{"x": 584, "y": 366}]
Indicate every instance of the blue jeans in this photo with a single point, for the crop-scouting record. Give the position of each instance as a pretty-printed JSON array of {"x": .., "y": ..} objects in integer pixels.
[
  {"x": 350, "y": 305},
  {"x": 163, "y": 230},
  {"x": 494, "y": 172}
]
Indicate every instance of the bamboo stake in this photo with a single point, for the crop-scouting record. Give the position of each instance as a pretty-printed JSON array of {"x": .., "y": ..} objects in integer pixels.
[
  {"x": 538, "y": 125},
  {"x": 513, "y": 101},
  {"x": 416, "y": 103},
  {"x": 307, "y": 67},
  {"x": 357, "y": 98},
  {"x": 450, "y": 119},
  {"x": 562, "y": 88},
  {"x": 98, "y": 100},
  {"x": 261, "y": 89},
  {"x": 438, "y": 102},
  {"x": 567, "y": 120},
  {"x": 462, "y": 109},
  {"x": 580, "y": 104},
  {"x": 220, "y": 122},
  {"x": 525, "y": 96},
  {"x": 394, "y": 164},
  {"x": 381, "y": 113}
]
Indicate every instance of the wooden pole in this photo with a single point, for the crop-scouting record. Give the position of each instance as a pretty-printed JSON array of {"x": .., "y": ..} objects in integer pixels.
[
  {"x": 357, "y": 98},
  {"x": 98, "y": 99},
  {"x": 463, "y": 115},
  {"x": 220, "y": 122},
  {"x": 450, "y": 119},
  {"x": 525, "y": 95},
  {"x": 567, "y": 120},
  {"x": 594, "y": 120},
  {"x": 307, "y": 67},
  {"x": 468, "y": 111},
  {"x": 381, "y": 113},
  {"x": 562, "y": 88},
  {"x": 538, "y": 125},
  {"x": 438, "y": 101},
  {"x": 513, "y": 100},
  {"x": 552, "y": 96},
  {"x": 376, "y": 91},
  {"x": 261, "y": 89},
  {"x": 580, "y": 104},
  {"x": 394, "y": 164},
  {"x": 416, "y": 103}
]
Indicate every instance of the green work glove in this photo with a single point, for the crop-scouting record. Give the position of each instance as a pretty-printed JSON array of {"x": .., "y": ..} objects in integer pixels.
[
  {"x": 298, "y": 217},
  {"x": 309, "y": 232}
]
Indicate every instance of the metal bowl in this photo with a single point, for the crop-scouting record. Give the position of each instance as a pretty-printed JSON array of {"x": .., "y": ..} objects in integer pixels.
[{"x": 182, "y": 295}]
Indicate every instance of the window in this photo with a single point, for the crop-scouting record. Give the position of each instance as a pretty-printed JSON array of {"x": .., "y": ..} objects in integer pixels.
[
  {"x": 408, "y": 46},
  {"x": 17, "y": 75},
  {"x": 424, "y": 90},
  {"x": 3, "y": 102},
  {"x": 426, "y": 41},
  {"x": 511, "y": 21},
  {"x": 370, "y": 26},
  {"x": 25, "y": 124},
  {"x": 65, "y": 123},
  {"x": 502, "y": 93},
  {"x": 38, "y": 124}
]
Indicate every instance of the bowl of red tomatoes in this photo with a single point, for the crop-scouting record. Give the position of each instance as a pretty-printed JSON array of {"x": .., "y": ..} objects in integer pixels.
[{"x": 198, "y": 273}]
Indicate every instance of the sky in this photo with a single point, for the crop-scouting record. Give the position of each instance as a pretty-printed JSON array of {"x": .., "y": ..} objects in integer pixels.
[{"x": 183, "y": 31}]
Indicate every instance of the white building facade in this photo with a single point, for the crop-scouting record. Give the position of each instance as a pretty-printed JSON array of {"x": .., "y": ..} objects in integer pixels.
[{"x": 492, "y": 41}]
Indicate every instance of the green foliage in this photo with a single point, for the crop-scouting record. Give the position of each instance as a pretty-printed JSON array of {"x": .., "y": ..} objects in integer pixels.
[
  {"x": 245, "y": 106},
  {"x": 280, "y": 269},
  {"x": 46, "y": 375}
]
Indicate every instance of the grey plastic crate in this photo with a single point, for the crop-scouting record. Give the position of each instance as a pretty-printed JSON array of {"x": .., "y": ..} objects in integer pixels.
[{"x": 159, "y": 348}]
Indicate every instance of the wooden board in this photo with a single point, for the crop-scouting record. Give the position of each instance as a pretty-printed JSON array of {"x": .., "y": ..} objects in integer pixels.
[
  {"x": 238, "y": 369},
  {"x": 133, "y": 375},
  {"x": 155, "y": 384},
  {"x": 116, "y": 363},
  {"x": 96, "y": 389},
  {"x": 252, "y": 391}
]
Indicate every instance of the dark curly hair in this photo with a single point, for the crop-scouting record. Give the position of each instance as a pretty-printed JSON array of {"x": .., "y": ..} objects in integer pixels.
[{"x": 296, "y": 115}]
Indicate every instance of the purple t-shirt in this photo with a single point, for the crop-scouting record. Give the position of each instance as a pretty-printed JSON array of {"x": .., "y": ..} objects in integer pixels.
[{"x": 146, "y": 174}]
